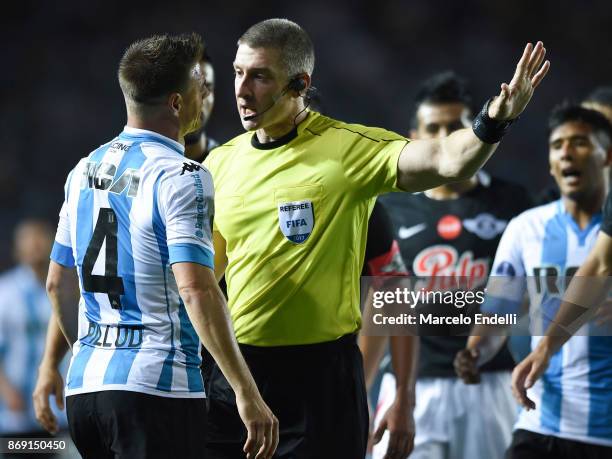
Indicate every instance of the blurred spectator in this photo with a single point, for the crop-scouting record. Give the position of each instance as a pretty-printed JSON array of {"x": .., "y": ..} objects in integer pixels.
[{"x": 24, "y": 314}]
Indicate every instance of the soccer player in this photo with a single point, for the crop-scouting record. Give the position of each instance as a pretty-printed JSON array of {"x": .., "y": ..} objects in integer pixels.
[
  {"x": 569, "y": 411},
  {"x": 198, "y": 143},
  {"x": 293, "y": 198},
  {"x": 452, "y": 230},
  {"x": 24, "y": 314},
  {"x": 136, "y": 224}
]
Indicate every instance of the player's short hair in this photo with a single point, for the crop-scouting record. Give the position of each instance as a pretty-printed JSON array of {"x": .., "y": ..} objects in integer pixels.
[
  {"x": 567, "y": 112},
  {"x": 157, "y": 66},
  {"x": 38, "y": 222},
  {"x": 601, "y": 95},
  {"x": 442, "y": 88},
  {"x": 296, "y": 48}
]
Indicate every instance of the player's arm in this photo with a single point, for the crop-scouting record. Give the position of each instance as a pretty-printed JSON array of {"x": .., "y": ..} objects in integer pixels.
[
  {"x": 60, "y": 282},
  {"x": 505, "y": 293},
  {"x": 9, "y": 394},
  {"x": 425, "y": 164},
  {"x": 483, "y": 344},
  {"x": 192, "y": 259},
  {"x": 398, "y": 419},
  {"x": 208, "y": 313},
  {"x": 220, "y": 246},
  {"x": 585, "y": 293},
  {"x": 49, "y": 379}
]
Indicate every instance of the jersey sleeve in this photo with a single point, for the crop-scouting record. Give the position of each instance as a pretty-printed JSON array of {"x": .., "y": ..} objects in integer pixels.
[
  {"x": 186, "y": 207},
  {"x": 382, "y": 256},
  {"x": 606, "y": 224},
  {"x": 370, "y": 159},
  {"x": 62, "y": 252},
  {"x": 507, "y": 284}
]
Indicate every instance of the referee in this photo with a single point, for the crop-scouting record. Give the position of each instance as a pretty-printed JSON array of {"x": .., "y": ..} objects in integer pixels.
[{"x": 293, "y": 196}]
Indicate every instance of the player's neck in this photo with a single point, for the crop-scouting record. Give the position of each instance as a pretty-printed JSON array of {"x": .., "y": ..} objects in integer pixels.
[
  {"x": 197, "y": 149},
  {"x": 279, "y": 130},
  {"x": 583, "y": 208},
  {"x": 452, "y": 190},
  {"x": 160, "y": 126}
]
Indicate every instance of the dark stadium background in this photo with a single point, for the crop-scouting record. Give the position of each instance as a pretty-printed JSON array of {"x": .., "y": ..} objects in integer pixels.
[{"x": 60, "y": 98}]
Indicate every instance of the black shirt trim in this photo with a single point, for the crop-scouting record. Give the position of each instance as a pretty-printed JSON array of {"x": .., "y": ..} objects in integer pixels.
[{"x": 255, "y": 143}]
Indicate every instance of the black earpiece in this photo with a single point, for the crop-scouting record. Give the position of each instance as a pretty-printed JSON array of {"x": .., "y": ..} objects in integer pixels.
[{"x": 297, "y": 84}]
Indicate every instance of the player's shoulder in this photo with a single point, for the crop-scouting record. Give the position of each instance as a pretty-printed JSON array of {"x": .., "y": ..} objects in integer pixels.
[
  {"x": 400, "y": 199},
  {"x": 537, "y": 215},
  {"x": 498, "y": 184},
  {"x": 321, "y": 124},
  {"x": 10, "y": 279},
  {"x": 512, "y": 196}
]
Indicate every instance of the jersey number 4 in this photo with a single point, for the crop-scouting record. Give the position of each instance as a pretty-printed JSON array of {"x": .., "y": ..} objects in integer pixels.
[{"x": 110, "y": 283}]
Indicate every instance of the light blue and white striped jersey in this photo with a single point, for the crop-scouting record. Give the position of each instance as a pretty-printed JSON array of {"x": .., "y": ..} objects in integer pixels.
[
  {"x": 132, "y": 208},
  {"x": 24, "y": 316},
  {"x": 574, "y": 397}
]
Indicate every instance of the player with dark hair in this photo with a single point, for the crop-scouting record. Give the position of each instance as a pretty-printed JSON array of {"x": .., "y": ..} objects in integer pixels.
[
  {"x": 198, "y": 143},
  {"x": 453, "y": 231},
  {"x": 568, "y": 412},
  {"x": 600, "y": 99},
  {"x": 294, "y": 194},
  {"x": 136, "y": 224}
]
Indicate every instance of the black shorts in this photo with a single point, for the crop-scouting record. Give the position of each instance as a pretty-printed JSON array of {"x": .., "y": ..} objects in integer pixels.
[
  {"x": 532, "y": 445},
  {"x": 123, "y": 424},
  {"x": 316, "y": 391}
]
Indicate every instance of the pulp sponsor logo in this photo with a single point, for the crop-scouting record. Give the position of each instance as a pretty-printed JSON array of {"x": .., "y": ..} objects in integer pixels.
[
  {"x": 453, "y": 271},
  {"x": 449, "y": 227}
]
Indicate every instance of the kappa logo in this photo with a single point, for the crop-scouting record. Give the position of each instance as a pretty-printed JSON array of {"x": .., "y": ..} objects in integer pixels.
[
  {"x": 190, "y": 167},
  {"x": 296, "y": 220},
  {"x": 485, "y": 226}
]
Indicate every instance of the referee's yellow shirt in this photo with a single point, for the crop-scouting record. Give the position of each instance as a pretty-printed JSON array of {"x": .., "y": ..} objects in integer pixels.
[{"x": 295, "y": 215}]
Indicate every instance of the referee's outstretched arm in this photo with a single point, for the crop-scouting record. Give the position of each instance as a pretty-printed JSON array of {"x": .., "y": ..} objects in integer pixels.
[
  {"x": 209, "y": 315},
  {"x": 425, "y": 164}
]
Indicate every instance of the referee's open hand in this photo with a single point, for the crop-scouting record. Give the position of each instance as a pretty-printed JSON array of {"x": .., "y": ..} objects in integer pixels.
[
  {"x": 261, "y": 425},
  {"x": 514, "y": 97}
]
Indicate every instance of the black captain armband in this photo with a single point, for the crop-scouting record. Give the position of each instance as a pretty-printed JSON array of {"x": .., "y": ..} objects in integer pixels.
[{"x": 487, "y": 129}]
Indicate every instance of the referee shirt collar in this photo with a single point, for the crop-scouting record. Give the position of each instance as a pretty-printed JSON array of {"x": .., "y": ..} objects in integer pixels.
[
  {"x": 144, "y": 134},
  {"x": 284, "y": 140}
]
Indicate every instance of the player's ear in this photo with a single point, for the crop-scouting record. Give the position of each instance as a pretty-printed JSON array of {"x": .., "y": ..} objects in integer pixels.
[
  {"x": 413, "y": 134},
  {"x": 609, "y": 156},
  {"x": 175, "y": 103}
]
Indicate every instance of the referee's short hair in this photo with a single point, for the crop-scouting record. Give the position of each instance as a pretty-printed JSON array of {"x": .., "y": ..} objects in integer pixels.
[
  {"x": 154, "y": 67},
  {"x": 294, "y": 44},
  {"x": 442, "y": 88},
  {"x": 567, "y": 112}
]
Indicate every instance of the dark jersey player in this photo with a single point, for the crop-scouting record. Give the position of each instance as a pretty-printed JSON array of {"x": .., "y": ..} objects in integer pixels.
[{"x": 453, "y": 231}]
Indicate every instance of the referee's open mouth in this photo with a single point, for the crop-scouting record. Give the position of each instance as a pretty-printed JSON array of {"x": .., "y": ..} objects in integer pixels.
[{"x": 247, "y": 111}]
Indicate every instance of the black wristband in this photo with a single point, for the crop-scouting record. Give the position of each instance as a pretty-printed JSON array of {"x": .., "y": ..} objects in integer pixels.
[{"x": 487, "y": 129}]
